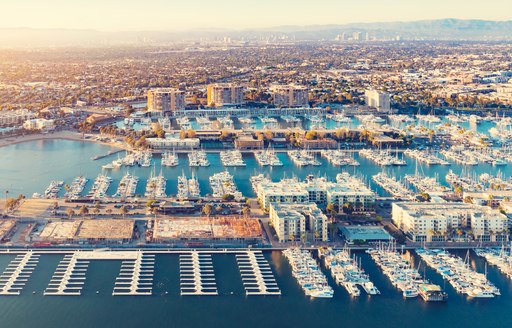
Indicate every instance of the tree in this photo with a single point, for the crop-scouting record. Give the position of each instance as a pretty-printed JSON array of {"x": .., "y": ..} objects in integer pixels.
[
  {"x": 207, "y": 210},
  {"x": 70, "y": 212},
  {"x": 246, "y": 211},
  {"x": 83, "y": 211},
  {"x": 228, "y": 198},
  {"x": 123, "y": 210}
]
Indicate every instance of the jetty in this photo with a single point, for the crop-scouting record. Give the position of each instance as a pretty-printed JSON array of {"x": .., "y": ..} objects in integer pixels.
[
  {"x": 257, "y": 276},
  {"x": 15, "y": 276},
  {"x": 136, "y": 275},
  {"x": 196, "y": 274}
]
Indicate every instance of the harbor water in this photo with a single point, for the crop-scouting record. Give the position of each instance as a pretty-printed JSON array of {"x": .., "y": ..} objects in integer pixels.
[
  {"x": 27, "y": 168},
  {"x": 232, "y": 308}
]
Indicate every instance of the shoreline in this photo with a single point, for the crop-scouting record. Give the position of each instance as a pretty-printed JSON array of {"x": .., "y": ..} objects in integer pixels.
[{"x": 60, "y": 135}]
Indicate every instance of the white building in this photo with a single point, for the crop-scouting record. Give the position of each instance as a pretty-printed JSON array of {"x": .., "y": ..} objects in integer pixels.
[
  {"x": 173, "y": 143},
  {"x": 346, "y": 190},
  {"x": 39, "y": 124},
  {"x": 165, "y": 100},
  {"x": 438, "y": 221},
  {"x": 298, "y": 222},
  {"x": 15, "y": 117},
  {"x": 289, "y": 96},
  {"x": 225, "y": 94},
  {"x": 377, "y": 99}
]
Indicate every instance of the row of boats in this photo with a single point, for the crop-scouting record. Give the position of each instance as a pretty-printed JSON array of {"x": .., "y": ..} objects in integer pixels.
[
  {"x": 338, "y": 157},
  {"x": 501, "y": 258},
  {"x": 232, "y": 158},
  {"x": 382, "y": 157},
  {"x": 198, "y": 158},
  {"x": 53, "y": 189},
  {"x": 347, "y": 271},
  {"x": 459, "y": 273},
  {"x": 306, "y": 271},
  {"x": 425, "y": 157},
  {"x": 267, "y": 157},
  {"x": 303, "y": 158},
  {"x": 140, "y": 158},
  {"x": 403, "y": 275},
  {"x": 391, "y": 185},
  {"x": 222, "y": 183}
]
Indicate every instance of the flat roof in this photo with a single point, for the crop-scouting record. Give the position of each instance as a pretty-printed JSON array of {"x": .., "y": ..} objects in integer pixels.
[{"x": 367, "y": 233}]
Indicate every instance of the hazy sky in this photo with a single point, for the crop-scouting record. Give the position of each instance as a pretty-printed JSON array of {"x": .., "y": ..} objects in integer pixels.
[{"x": 116, "y": 15}]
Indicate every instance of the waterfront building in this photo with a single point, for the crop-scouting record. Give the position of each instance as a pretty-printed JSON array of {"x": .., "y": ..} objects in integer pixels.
[
  {"x": 438, "y": 221},
  {"x": 347, "y": 190},
  {"x": 351, "y": 190},
  {"x": 39, "y": 124},
  {"x": 247, "y": 141},
  {"x": 290, "y": 96},
  {"x": 173, "y": 143},
  {"x": 165, "y": 100},
  {"x": 225, "y": 94},
  {"x": 377, "y": 99},
  {"x": 297, "y": 221},
  {"x": 15, "y": 117}
]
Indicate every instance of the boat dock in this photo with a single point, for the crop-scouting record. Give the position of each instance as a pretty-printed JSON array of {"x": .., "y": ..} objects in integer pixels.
[
  {"x": 257, "y": 276},
  {"x": 196, "y": 274},
  {"x": 69, "y": 277},
  {"x": 136, "y": 276},
  {"x": 16, "y": 274}
]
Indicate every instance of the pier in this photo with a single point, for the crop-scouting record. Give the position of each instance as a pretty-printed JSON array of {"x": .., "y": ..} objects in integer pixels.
[
  {"x": 257, "y": 276},
  {"x": 69, "y": 278},
  {"x": 196, "y": 274},
  {"x": 15, "y": 276},
  {"x": 136, "y": 276}
]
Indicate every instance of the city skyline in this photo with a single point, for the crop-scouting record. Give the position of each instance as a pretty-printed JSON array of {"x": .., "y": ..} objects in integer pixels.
[{"x": 228, "y": 14}]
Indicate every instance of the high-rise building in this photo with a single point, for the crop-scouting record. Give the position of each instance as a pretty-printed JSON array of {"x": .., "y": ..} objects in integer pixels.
[
  {"x": 225, "y": 94},
  {"x": 378, "y": 99},
  {"x": 289, "y": 96},
  {"x": 165, "y": 100},
  {"x": 356, "y": 36}
]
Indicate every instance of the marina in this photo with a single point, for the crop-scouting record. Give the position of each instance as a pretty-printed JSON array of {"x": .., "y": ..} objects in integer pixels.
[
  {"x": 232, "y": 158},
  {"x": 338, "y": 157},
  {"x": 303, "y": 158},
  {"x": 382, "y": 157},
  {"x": 198, "y": 158},
  {"x": 256, "y": 273},
  {"x": 306, "y": 271},
  {"x": 17, "y": 273},
  {"x": 136, "y": 275},
  {"x": 197, "y": 276},
  {"x": 501, "y": 258},
  {"x": 347, "y": 272},
  {"x": 459, "y": 274}
]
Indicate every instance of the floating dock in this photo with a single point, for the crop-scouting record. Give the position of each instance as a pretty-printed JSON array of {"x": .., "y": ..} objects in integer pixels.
[
  {"x": 257, "y": 276},
  {"x": 69, "y": 278},
  {"x": 136, "y": 276},
  {"x": 196, "y": 274},
  {"x": 16, "y": 275}
]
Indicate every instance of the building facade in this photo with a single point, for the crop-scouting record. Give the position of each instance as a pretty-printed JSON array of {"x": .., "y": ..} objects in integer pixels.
[
  {"x": 439, "y": 221},
  {"x": 377, "y": 99},
  {"x": 304, "y": 222},
  {"x": 225, "y": 94},
  {"x": 290, "y": 96},
  {"x": 165, "y": 100}
]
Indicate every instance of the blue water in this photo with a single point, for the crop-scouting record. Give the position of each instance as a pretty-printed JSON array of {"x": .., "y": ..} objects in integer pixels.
[
  {"x": 29, "y": 167},
  {"x": 231, "y": 308}
]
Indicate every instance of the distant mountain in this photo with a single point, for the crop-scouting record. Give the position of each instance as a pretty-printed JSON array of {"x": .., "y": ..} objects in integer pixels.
[{"x": 442, "y": 29}]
